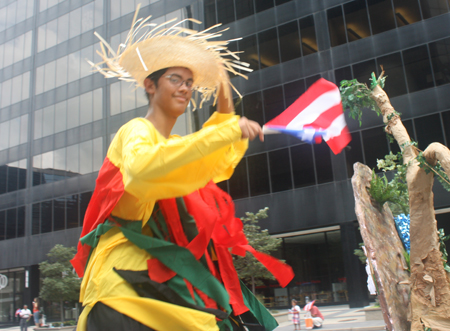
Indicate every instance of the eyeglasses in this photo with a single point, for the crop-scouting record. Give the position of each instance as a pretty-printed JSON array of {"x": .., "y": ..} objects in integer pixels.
[{"x": 178, "y": 81}]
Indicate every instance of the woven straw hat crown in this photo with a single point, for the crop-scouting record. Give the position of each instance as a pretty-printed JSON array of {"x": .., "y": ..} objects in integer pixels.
[{"x": 150, "y": 47}]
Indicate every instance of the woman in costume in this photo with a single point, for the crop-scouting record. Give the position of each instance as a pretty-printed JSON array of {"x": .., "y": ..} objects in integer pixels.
[{"x": 156, "y": 241}]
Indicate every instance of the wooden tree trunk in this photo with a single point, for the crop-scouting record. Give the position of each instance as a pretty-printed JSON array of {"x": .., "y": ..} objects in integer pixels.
[
  {"x": 430, "y": 289},
  {"x": 61, "y": 307}
]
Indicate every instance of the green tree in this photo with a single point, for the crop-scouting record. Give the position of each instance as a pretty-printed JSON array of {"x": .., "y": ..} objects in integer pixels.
[
  {"x": 59, "y": 281},
  {"x": 249, "y": 269}
]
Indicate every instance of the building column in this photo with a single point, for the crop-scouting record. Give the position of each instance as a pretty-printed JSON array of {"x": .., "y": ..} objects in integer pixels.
[{"x": 354, "y": 269}]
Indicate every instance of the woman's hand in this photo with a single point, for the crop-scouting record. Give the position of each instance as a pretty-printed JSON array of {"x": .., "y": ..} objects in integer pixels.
[{"x": 250, "y": 129}]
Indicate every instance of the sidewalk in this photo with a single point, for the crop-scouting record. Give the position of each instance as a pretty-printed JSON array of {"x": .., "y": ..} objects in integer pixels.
[
  {"x": 337, "y": 318},
  {"x": 340, "y": 318}
]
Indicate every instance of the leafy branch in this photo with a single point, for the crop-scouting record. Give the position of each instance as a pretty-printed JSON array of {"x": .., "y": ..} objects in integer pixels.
[
  {"x": 442, "y": 239},
  {"x": 395, "y": 192},
  {"x": 437, "y": 170}
]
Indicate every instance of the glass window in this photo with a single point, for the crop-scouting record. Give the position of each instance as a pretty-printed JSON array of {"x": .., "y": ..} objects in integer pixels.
[
  {"x": 98, "y": 104},
  {"x": 73, "y": 160},
  {"x": 238, "y": 183},
  {"x": 341, "y": 74},
  {"x": 48, "y": 121},
  {"x": 72, "y": 211},
  {"x": 4, "y": 135},
  {"x": 63, "y": 28},
  {"x": 46, "y": 216},
  {"x": 440, "y": 58},
  {"x": 336, "y": 26},
  {"x": 395, "y": 81},
  {"x": 35, "y": 218},
  {"x": 362, "y": 71},
  {"x": 323, "y": 163},
  {"x": 114, "y": 95},
  {"x": 381, "y": 15},
  {"x": 273, "y": 102},
  {"x": 20, "y": 222},
  {"x": 75, "y": 23},
  {"x": 431, "y": 8},
  {"x": 253, "y": 109},
  {"x": 11, "y": 221},
  {"x": 445, "y": 120},
  {"x": 375, "y": 145},
  {"x": 23, "y": 129},
  {"x": 86, "y": 104},
  {"x": 26, "y": 85},
  {"x": 268, "y": 48},
  {"x": 303, "y": 165},
  {"x": 293, "y": 90},
  {"x": 210, "y": 12},
  {"x": 59, "y": 213},
  {"x": 280, "y": 2},
  {"x": 128, "y": 98},
  {"x": 73, "y": 112},
  {"x": 308, "y": 33},
  {"x": 16, "y": 93},
  {"x": 406, "y": 12},
  {"x": 85, "y": 67},
  {"x": 6, "y": 93},
  {"x": 38, "y": 123},
  {"x": 244, "y": 8},
  {"x": 258, "y": 173},
  {"x": 51, "y": 33},
  {"x": 429, "y": 130},
  {"x": 49, "y": 76},
  {"x": 289, "y": 41},
  {"x": 98, "y": 153},
  {"x": 61, "y": 116},
  {"x": 225, "y": 11},
  {"x": 353, "y": 153},
  {"x": 311, "y": 80},
  {"x": 74, "y": 66},
  {"x": 86, "y": 154},
  {"x": 61, "y": 71},
  {"x": 84, "y": 202},
  {"x": 13, "y": 178},
  {"x": 356, "y": 20},
  {"x": 14, "y": 132},
  {"x": 22, "y": 165},
  {"x": 280, "y": 170},
  {"x": 87, "y": 17},
  {"x": 263, "y": 5},
  {"x": 2, "y": 225},
  {"x": 418, "y": 69},
  {"x": 250, "y": 55},
  {"x": 98, "y": 12},
  {"x": 3, "y": 178}
]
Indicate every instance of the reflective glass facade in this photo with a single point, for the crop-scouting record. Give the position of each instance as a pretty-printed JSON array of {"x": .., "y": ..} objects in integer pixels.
[{"x": 57, "y": 117}]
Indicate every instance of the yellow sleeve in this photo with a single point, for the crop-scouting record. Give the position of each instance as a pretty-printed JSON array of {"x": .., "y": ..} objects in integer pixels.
[
  {"x": 157, "y": 168},
  {"x": 239, "y": 147}
]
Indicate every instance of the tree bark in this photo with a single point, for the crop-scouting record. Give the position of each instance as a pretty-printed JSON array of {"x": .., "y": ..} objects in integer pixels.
[
  {"x": 61, "y": 308},
  {"x": 430, "y": 289}
]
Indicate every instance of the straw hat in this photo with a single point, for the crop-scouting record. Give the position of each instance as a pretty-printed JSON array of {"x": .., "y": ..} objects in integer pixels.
[{"x": 150, "y": 47}]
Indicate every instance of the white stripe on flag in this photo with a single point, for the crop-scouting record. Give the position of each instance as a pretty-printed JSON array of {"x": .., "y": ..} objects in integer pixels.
[
  {"x": 335, "y": 128},
  {"x": 315, "y": 109}
]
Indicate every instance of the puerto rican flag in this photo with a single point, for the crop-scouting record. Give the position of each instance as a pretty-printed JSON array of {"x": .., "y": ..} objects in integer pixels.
[
  {"x": 309, "y": 306},
  {"x": 317, "y": 114}
]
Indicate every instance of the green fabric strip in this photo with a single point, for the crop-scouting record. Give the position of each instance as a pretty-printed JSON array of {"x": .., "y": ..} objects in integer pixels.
[
  {"x": 258, "y": 310},
  {"x": 182, "y": 262}
]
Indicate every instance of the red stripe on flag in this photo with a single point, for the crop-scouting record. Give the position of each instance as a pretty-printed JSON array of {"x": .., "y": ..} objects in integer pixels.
[
  {"x": 320, "y": 87},
  {"x": 339, "y": 142},
  {"x": 326, "y": 118}
]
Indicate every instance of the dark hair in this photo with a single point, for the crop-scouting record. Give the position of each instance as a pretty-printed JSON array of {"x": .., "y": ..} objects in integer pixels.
[{"x": 154, "y": 77}]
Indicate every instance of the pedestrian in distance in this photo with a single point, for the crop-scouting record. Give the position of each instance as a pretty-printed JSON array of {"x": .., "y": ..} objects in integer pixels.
[
  {"x": 36, "y": 312},
  {"x": 25, "y": 315},
  {"x": 295, "y": 311}
]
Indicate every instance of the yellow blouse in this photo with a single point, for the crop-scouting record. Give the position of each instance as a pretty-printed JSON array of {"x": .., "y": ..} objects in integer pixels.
[{"x": 155, "y": 168}]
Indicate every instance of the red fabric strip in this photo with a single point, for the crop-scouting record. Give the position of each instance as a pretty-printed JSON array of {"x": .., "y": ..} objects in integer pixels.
[
  {"x": 339, "y": 142},
  {"x": 109, "y": 189}
]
